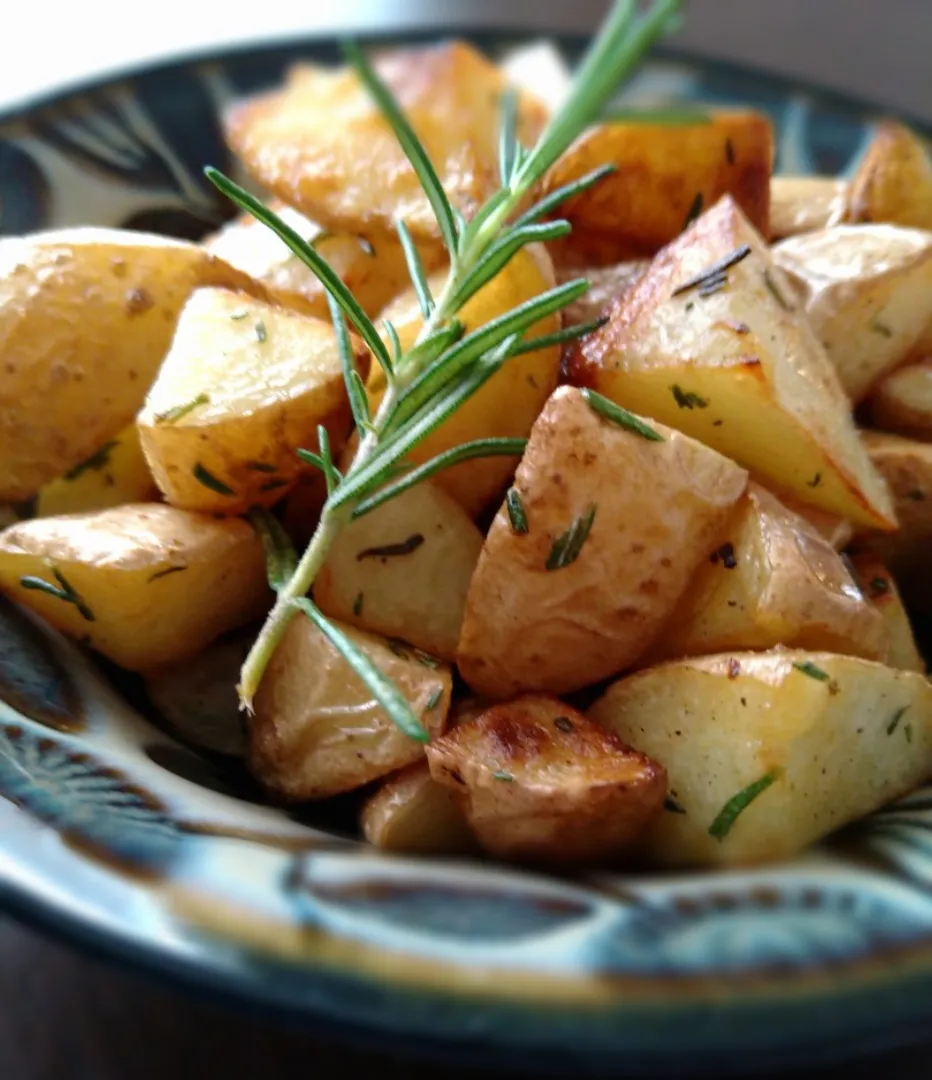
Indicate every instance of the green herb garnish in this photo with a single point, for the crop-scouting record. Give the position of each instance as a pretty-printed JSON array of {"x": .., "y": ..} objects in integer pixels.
[
  {"x": 262, "y": 335},
  {"x": 164, "y": 573},
  {"x": 880, "y": 328},
  {"x": 714, "y": 274},
  {"x": 357, "y": 604},
  {"x": 695, "y": 209},
  {"x": 434, "y": 700},
  {"x": 388, "y": 551},
  {"x": 504, "y": 776},
  {"x": 62, "y": 591},
  {"x": 737, "y": 804},
  {"x": 445, "y": 366},
  {"x": 672, "y": 806},
  {"x": 608, "y": 410},
  {"x": 896, "y": 718},
  {"x": 908, "y": 732},
  {"x": 207, "y": 478},
  {"x": 771, "y": 287},
  {"x": 807, "y": 667},
  {"x": 568, "y": 545},
  {"x": 100, "y": 459},
  {"x": 170, "y": 416},
  {"x": 516, "y": 514},
  {"x": 686, "y": 399},
  {"x": 280, "y": 556}
]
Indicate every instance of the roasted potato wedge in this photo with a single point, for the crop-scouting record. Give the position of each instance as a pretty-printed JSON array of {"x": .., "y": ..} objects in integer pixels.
[
  {"x": 373, "y": 273},
  {"x": 906, "y": 465},
  {"x": 591, "y": 551},
  {"x": 902, "y": 402},
  {"x": 317, "y": 731},
  {"x": 86, "y": 316},
  {"x": 147, "y": 585},
  {"x": 323, "y": 146},
  {"x": 508, "y": 404},
  {"x": 732, "y": 361},
  {"x": 804, "y": 204},
  {"x": 540, "y": 782},
  {"x": 606, "y": 285},
  {"x": 774, "y": 581},
  {"x": 832, "y": 528},
  {"x": 665, "y": 174},
  {"x": 403, "y": 570},
  {"x": 243, "y": 386},
  {"x": 878, "y": 586},
  {"x": 768, "y": 752},
  {"x": 116, "y": 473},
  {"x": 894, "y": 180},
  {"x": 867, "y": 290}
]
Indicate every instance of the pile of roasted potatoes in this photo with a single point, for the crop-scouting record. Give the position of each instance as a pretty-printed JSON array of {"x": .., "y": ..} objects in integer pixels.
[{"x": 675, "y": 638}]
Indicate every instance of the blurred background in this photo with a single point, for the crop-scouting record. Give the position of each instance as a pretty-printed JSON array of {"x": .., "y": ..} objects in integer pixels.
[{"x": 67, "y": 1017}]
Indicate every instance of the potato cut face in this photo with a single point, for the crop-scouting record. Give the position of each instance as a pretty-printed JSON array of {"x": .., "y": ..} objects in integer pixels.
[
  {"x": 151, "y": 585},
  {"x": 666, "y": 174},
  {"x": 774, "y": 581},
  {"x": 114, "y": 474},
  {"x": 509, "y": 403},
  {"x": 322, "y": 145},
  {"x": 732, "y": 362},
  {"x": 538, "y": 781},
  {"x": 804, "y": 204},
  {"x": 591, "y": 551},
  {"x": 836, "y": 530},
  {"x": 414, "y": 814},
  {"x": 317, "y": 731},
  {"x": 879, "y": 586},
  {"x": 867, "y": 290},
  {"x": 242, "y": 388},
  {"x": 403, "y": 570},
  {"x": 894, "y": 180},
  {"x": 906, "y": 465},
  {"x": 767, "y": 753},
  {"x": 373, "y": 273},
  {"x": 902, "y": 402},
  {"x": 86, "y": 316}
]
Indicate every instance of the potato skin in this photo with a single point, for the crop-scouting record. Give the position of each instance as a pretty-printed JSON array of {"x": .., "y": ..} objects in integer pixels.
[
  {"x": 894, "y": 180},
  {"x": 661, "y": 508},
  {"x": 835, "y": 737},
  {"x": 317, "y": 731},
  {"x": 762, "y": 390},
  {"x": 779, "y": 583},
  {"x": 879, "y": 586},
  {"x": 86, "y": 316},
  {"x": 160, "y": 583},
  {"x": 539, "y": 782},
  {"x": 867, "y": 290},
  {"x": 322, "y": 145},
  {"x": 804, "y": 204},
  {"x": 268, "y": 377},
  {"x": 417, "y": 595},
  {"x": 663, "y": 172},
  {"x": 902, "y": 402}
]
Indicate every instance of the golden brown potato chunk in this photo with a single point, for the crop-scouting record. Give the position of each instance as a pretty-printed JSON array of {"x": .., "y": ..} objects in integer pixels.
[
  {"x": 591, "y": 551},
  {"x": 902, "y": 402},
  {"x": 803, "y": 204},
  {"x": 145, "y": 584},
  {"x": 894, "y": 180},
  {"x": 767, "y": 753},
  {"x": 538, "y": 781},
  {"x": 878, "y": 586},
  {"x": 665, "y": 175},
  {"x": 322, "y": 145},
  {"x": 373, "y": 273},
  {"x": 403, "y": 570},
  {"x": 243, "y": 386},
  {"x": 774, "y": 581},
  {"x": 86, "y": 316},
  {"x": 867, "y": 290},
  {"x": 412, "y": 813},
  {"x": 606, "y": 285},
  {"x": 906, "y": 465},
  {"x": 317, "y": 730},
  {"x": 711, "y": 341},
  {"x": 837, "y": 531}
]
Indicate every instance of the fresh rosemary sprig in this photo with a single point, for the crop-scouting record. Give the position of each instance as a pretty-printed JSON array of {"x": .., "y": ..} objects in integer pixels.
[{"x": 443, "y": 369}]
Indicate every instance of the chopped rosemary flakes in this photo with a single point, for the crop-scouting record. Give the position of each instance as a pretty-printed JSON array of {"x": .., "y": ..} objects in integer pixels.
[
  {"x": 516, "y": 514},
  {"x": 672, "y": 806},
  {"x": 387, "y": 551},
  {"x": 807, "y": 667},
  {"x": 357, "y": 605},
  {"x": 737, "y": 804},
  {"x": 262, "y": 335},
  {"x": 97, "y": 461},
  {"x": 729, "y": 151},
  {"x": 63, "y": 591},
  {"x": 716, "y": 270},
  {"x": 366, "y": 244},
  {"x": 695, "y": 209},
  {"x": 881, "y": 328},
  {"x": 563, "y": 723},
  {"x": 908, "y": 732},
  {"x": 727, "y": 555},
  {"x": 686, "y": 399},
  {"x": 237, "y": 315},
  {"x": 713, "y": 285},
  {"x": 608, "y": 410},
  {"x": 896, "y": 718},
  {"x": 273, "y": 484},
  {"x": 170, "y": 416},
  {"x": 568, "y": 545},
  {"x": 434, "y": 700},
  {"x": 164, "y": 573},
  {"x": 771, "y": 286},
  {"x": 815, "y": 481},
  {"x": 203, "y": 476},
  {"x": 505, "y": 776},
  {"x": 878, "y": 586},
  {"x": 261, "y": 466}
]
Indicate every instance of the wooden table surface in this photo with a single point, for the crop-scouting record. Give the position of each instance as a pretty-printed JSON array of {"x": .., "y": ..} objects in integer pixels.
[{"x": 64, "y": 1016}]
